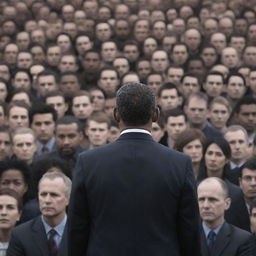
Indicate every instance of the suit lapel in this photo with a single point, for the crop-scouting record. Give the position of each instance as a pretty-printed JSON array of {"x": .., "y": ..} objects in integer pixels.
[
  {"x": 204, "y": 247},
  {"x": 222, "y": 240},
  {"x": 40, "y": 237}
]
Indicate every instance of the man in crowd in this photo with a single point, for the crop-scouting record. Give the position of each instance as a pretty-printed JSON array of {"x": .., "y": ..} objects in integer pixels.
[
  {"x": 43, "y": 118},
  {"x": 219, "y": 237},
  {"x": 68, "y": 133},
  {"x": 98, "y": 183},
  {"x": 45, "y": 234}
]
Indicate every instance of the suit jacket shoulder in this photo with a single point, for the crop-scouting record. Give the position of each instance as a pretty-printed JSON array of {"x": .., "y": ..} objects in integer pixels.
[
  {"x": 29, "y": 239},
  {"x": 127, "y": 190},
  {"x": 231, "y": 241}
]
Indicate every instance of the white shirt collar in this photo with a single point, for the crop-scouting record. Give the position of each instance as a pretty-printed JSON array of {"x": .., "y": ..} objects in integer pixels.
[{"x": 135, "y": 130}]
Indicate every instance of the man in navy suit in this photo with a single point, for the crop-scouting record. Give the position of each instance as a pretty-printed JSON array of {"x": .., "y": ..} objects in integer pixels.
[
  {"x": 44, "y": 235},
  {"x": 218, "y": 237},
  {"x": 134, "y": 196}
]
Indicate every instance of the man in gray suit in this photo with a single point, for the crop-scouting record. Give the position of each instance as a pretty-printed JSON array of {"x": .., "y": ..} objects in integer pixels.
[
  {"x": 218, "y": 237},
  {"x": 44, "y": 235},
  {"x": 134, "y": 196}
]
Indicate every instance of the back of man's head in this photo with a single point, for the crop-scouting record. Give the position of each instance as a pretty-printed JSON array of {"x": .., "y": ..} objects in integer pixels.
[{"x": 135, "y": 104}]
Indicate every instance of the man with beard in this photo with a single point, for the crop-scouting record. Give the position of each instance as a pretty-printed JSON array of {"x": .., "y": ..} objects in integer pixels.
[
  {"x": 68, "y": 138},
  {"x": 91, "y": 65}
]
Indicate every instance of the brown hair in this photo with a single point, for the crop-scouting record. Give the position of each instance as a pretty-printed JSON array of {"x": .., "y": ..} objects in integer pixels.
[{"x": 187, "y": 136}]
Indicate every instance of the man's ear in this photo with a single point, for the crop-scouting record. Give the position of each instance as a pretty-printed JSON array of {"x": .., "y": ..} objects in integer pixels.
[
  {"x": 227, "y": 203},
  {"x": 116, "y": 115},
  {"x": 156, "y": 114}
]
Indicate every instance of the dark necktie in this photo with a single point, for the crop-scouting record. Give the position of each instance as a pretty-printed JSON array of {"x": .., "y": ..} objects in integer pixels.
[
  {"x": 53, "y": 249},
  {"x": 211, "y": 239},
  {"x": 45, "y": 149}
]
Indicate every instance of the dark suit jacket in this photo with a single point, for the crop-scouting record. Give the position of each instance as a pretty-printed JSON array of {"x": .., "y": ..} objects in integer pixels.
[
  {"x": 29, "y": 239},
  {"x": 233, "y": 174},
  {"x": 230, "y": 241},
  {"x": 133, "y": 197},
  {"x": 237, "y": 214}
]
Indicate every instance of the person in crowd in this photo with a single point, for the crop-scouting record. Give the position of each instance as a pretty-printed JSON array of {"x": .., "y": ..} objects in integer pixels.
[
  {"x": 137, "y": 111},
  {"x": 214, "y": 84},
  {"x": 191, "y": 142},
  {"x": 5, "y": 143},
  {"x": 81, "y": 105},
  {"x": 16, "y": 175},
  {"x": 244, "y": 114},
  {"x": 235, "y": 88},
  {"x": 17, "y": 115},
  {"x": 189, "y": 84},
  {"x": 219, "y": 237},
  {"x": 43, "y": 118},
  {"x": 168, "y": 97},
  {"x": 24, "y": 144},
  {"x": 48, "y": 228},
  {"x": 98, "y": 98},
  {"x": 217, "y": 153},
  {"x": 175, "y": 122},
  {"x": 10, "y": 212},
  {"x": 4, "y": 90},
  {"x": 97, "y": 129},
  {"x": 69, "y": 136},
  {"x": 157, "y": 130},
  {"x": 237, "y": 138},
  {"x": 253, "y": 217},
  {"x": 196, "y": 109},
  {"x": 57, "y": 100},
  {"x": 219, "y": 113},
  {"x": 247, "y": 182}
]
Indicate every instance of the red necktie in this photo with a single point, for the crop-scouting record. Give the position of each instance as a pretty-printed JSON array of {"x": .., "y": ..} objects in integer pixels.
[{"x": 53, "y": 249}]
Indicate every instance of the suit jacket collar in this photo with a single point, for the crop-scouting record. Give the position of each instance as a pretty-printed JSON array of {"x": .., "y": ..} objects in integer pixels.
[
  {"x": 42, "y": 241},
  {"x": 135, "y": 135},
  {"x": 221, "y": 241},
  {"x": 40, "y": 235}
]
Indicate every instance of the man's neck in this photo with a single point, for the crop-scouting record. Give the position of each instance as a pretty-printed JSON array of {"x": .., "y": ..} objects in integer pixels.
[
  {"x": 54, "y": 221},
  {"x": 198, "y": 126},
  {"x": 237, "y": 162},
  {"x": 215, "y": 224},
  {"x": 218, "y": 174}
]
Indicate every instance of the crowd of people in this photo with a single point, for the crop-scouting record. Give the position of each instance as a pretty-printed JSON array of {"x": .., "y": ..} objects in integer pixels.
[{"x": 62, "y": 62}]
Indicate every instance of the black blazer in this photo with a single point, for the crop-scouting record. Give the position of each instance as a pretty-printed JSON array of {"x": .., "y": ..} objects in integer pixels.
[
  {"x": 29, "y": 239},
  {"x": 133, "y": 197},
  {"x": 230, "y": 241}
]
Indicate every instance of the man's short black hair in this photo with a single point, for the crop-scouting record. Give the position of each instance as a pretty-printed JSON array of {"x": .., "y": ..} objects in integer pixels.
[
  {"x": 68, "y": 119},
  {"x": 247, "y": 100},
  {"x": 42, "y": 108},
  {"x": 135, "y": 103},
  {"x": 249, "y": 164},
  {"x": 174, "y": 112}
]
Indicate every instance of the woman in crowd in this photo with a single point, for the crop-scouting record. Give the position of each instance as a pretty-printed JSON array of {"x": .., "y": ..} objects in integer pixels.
[
  {"x": 15, "y": 175},
  {"x": 10, "y": 211},
  {"x": 191, "y": 142},
  {"x": 217, "y": 154}
]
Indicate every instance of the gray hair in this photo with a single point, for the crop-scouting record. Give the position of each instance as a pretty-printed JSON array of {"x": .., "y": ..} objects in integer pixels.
[{"x": 56, "y": 174}]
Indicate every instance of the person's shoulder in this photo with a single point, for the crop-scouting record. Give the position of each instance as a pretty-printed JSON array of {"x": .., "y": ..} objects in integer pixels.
[
  {"x": 242, "y": 234},
  {"x": 26, "y": 225}
]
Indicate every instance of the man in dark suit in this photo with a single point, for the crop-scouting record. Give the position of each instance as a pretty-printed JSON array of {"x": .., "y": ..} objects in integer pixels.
[
  {"x": 134, "y": 196},
  {"x": 44, "y": 235},
  {"x": 218, "y": 237}
]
